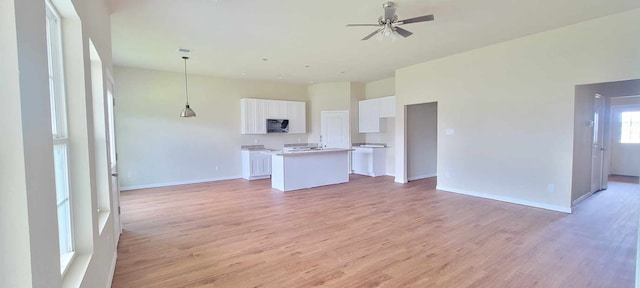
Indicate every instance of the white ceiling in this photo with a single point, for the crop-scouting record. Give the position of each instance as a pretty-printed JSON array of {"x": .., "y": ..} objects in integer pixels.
[{"x": 228, "y": 38}]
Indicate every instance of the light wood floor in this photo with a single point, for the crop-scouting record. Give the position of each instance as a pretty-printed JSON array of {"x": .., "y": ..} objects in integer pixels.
[{"x": 370, "y": 232}]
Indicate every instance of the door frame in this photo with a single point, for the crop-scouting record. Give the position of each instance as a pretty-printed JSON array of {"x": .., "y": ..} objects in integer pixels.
[{"x": 113, "y": 165}]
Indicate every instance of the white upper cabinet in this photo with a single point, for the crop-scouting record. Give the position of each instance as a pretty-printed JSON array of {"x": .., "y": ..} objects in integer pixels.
[
  {"x": 387, "y": 106},
  {"x": 369, "y": 116},
  {"x": 297, "y": 117},
  {"x": 276, "y": 109},
  {"x": 252, "y": 116},
  {"x": 372, "y": 110},
  {"x": 255, "y": 112}
]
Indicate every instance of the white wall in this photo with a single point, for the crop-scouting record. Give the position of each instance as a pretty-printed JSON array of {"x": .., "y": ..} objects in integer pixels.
[
  {"x": 625, "y": 158},
  {"x": 156, "y": 147},
  {"x": 326, "y": 97},
  {"x": 30, "y": 257},
  {"x": 511, "y": 107},
  {"x": 29, "y": 242},
  {"x": 357, "y": 94},
  {"x": 381, "y": 88},
  {"x": 377, "y": 89},
  {"x": 422, "y": 140}
]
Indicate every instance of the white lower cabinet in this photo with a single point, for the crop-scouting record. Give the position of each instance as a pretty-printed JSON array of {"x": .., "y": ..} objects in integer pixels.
[
  {"x": 369, "y": 161},
  {"x": 255, "y": 165}
]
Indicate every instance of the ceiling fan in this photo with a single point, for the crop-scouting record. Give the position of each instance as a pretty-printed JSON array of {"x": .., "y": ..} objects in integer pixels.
[{"x": 388, "y": 24}]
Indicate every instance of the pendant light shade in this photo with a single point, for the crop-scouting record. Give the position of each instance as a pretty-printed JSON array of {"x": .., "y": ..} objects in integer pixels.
[{"x": 187, "y": 111}]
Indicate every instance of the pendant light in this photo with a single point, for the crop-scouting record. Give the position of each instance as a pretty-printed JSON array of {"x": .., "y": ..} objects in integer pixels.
[{"x": 187, "y": 111}]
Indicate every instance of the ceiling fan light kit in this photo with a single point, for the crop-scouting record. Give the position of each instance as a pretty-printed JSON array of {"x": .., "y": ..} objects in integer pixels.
[{"x": 388, "y": 25}]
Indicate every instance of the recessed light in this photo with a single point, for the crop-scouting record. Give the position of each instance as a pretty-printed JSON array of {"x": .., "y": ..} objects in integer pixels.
[
  {"x": 341, "y": 72},
  {"x": 265, "y": 59},
  {"x": 184, "y": 50},
  {"x": 280, "y": 77},
  {"x": 244, "y": 74},
  {"x": 307, "y": 66}
]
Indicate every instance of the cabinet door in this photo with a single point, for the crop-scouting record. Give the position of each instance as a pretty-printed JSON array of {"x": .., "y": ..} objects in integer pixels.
[
  {"x": 276, "y": 109},
  {"x": 361, "y": 161},
  {"x": 247, "y": 116},
  {"x": 369, "y": 116},
  {"x": 297, "y": 117},
  {"x": 260, "y": 164},
  {"x": 387, "y": 106},
  {"x": 252, "y": 116},
  {"x": 260, "y": 118}
]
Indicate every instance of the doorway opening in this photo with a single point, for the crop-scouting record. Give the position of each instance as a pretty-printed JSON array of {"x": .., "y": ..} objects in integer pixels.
[
  {"x": 598, "y": 124},
  {"x": 422, "y": 140}
]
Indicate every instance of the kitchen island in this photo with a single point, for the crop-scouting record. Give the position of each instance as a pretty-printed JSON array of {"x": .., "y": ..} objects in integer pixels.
[{"x": 310, "y": 168}]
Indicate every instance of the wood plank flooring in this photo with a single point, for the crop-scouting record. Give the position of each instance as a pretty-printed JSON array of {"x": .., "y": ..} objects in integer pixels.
[{"x": 370, "y": 232}]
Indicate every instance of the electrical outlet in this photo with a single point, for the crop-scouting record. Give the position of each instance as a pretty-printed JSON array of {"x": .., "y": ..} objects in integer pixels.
[
  {"x": 217, "y": 168},
  {"x": 551, "y": 188}
]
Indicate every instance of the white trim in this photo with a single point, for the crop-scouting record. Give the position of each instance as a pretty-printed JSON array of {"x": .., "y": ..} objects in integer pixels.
[
  {"x": 165, "y": 184},
  {"x": 112, "y": 270},
  {"x": 585, "y": 196},
  {"x": 400, "y": 180},
  {"x": 412, "y": 178},
  {"x": 506, "y": 199}
]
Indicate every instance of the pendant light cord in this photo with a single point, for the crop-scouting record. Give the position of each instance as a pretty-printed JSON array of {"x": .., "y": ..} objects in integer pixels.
[{"x": 186, "y": 82}]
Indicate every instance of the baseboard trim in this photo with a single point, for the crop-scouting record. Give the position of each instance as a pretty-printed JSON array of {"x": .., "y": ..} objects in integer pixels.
[
  {"x": 112, "y": 271},
  {"x": 505, "y": 199},
  {"x": 165, "y": 184},
  {"x": 581, "y": 198},
  {"x": 418, "y": 177}
]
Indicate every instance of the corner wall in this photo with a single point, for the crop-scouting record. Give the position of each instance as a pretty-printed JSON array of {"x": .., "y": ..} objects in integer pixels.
[{"x": 511, "y": 107}]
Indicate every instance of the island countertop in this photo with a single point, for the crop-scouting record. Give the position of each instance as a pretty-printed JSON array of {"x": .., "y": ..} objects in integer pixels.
[{"x": 305, "y": 152}]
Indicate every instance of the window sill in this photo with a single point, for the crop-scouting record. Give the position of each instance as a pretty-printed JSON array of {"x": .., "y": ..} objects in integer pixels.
[
  {"x": 76, "y": 271},
  {"x": 103, "y": 218}
]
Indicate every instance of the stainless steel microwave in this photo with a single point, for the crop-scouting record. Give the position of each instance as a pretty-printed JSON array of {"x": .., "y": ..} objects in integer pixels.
[{"x": 277, "y": 125}]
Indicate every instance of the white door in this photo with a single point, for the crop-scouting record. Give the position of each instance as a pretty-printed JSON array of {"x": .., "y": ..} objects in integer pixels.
[
  {"x": 335, "y": 129},
  {"x": 597, "y": 150},
  {"x": 113, "y": 161}
]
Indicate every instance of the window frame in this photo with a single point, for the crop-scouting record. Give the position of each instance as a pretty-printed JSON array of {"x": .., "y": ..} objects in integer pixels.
[
  {"x": 59, "y": 130},
  {"x": 634, "y": 122}
]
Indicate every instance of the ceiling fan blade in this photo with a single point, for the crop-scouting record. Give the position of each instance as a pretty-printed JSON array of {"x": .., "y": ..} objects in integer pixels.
[
  {"x": 371, "y": 35},
  {"x": 389, "y": 10},
  {"x": 417, "y": 19},
  {"x": 355, "y": 25},
  {"x": 403, "y": 32}
]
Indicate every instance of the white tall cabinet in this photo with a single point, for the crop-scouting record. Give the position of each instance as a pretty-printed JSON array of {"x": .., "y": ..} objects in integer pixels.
[{"x": 255, "y": 112}]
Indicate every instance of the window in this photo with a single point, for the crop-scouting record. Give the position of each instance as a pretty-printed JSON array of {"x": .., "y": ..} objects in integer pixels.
[
  {"x": 60, "y": 136},
  {"x": 630, "y": 130},
  {"x": 102, "y": 174}
]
